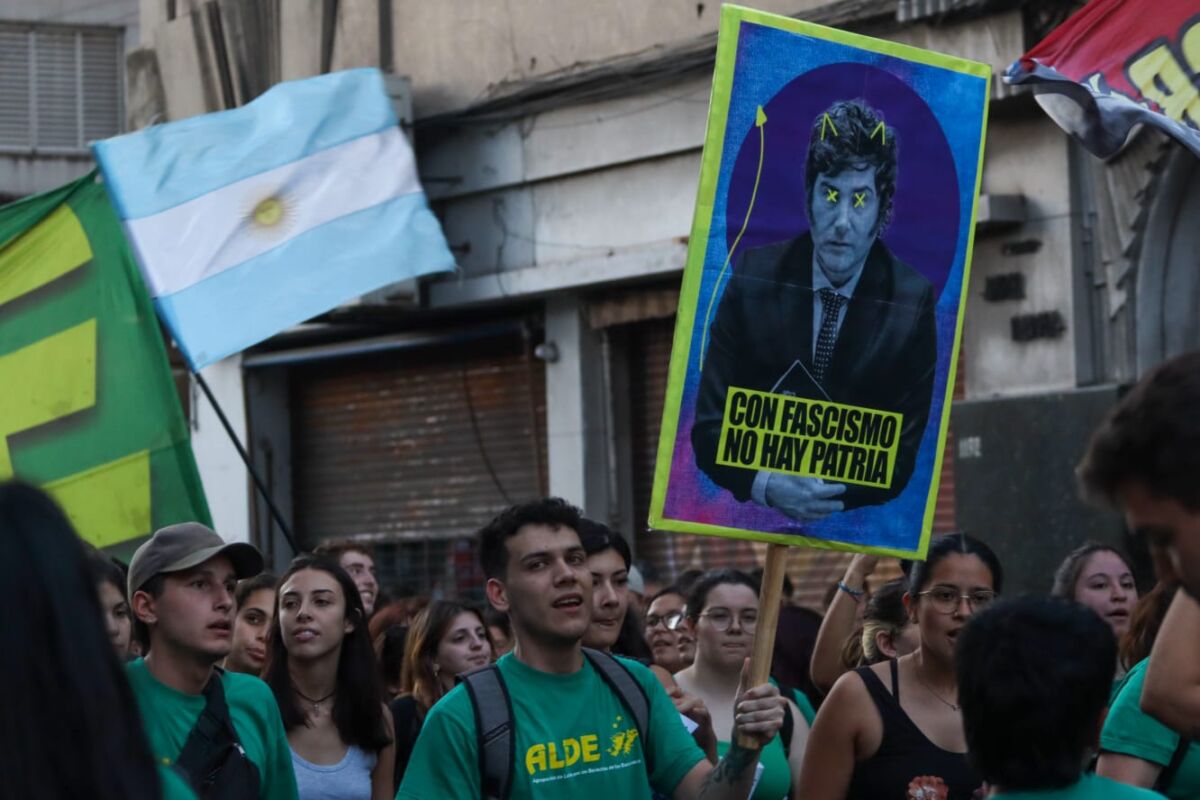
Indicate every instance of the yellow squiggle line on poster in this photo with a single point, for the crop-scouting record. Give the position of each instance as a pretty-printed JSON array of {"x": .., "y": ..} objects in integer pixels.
[{"x": 760, "y": 121}]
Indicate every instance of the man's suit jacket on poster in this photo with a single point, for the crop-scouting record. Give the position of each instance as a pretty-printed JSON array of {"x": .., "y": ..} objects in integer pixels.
[{"x": 884, "y": 358}]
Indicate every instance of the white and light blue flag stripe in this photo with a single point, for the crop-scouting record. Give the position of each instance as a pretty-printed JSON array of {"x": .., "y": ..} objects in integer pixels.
[{"x": 249, "y": 221}]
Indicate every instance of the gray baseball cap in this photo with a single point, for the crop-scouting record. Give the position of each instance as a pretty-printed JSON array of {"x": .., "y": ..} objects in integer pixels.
[
  {"x": 186, "y": 545},
  {"x": 636, "y": 584}
]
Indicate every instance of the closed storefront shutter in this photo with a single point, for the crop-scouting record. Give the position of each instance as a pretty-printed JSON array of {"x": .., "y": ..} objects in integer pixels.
[
  {"x": 649, "y": 358},
  {"x": 414, "y": 451}
]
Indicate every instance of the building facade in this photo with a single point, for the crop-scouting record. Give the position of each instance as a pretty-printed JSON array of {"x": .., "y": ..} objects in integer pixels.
[{"x": 562, "y": 157}]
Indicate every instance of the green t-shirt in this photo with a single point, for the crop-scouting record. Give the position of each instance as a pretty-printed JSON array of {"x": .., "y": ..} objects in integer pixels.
[
  {"x": 805, "y": 705},
  {"x": 1089, "y": 787},
  {"x": 169, "y": 716},
  {"x": 174, "y": 787},
  {"x": 1130, "y": 731},
  {"x": 573, "y": 739}
]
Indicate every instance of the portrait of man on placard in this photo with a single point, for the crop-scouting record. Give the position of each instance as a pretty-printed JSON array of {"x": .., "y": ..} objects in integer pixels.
[{"x": 830, "y": 315}]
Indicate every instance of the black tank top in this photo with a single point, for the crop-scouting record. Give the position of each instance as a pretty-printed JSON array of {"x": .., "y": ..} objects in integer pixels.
[{"x": 905, "y": 754}]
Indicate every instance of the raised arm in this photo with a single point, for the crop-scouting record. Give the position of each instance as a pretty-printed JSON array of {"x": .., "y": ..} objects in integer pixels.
[
  {"x": 1172, "y": 691},
  {"x": 840, "y": 621},
  {"x": 832, "y": 746}
]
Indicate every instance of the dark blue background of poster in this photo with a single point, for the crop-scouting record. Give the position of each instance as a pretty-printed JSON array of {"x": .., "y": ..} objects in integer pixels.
[{"x": 924, "y": 227}]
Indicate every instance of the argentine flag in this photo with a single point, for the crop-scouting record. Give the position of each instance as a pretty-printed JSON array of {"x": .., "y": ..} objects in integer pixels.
[{"x": 249, "y": 221}]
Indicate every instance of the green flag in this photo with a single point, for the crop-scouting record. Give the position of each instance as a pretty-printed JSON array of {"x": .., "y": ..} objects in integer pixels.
[{"x": 88, "y": 408}]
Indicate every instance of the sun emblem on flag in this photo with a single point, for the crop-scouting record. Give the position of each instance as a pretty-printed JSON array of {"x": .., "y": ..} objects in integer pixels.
[
  {"x": 269, "y": 212},
  {"x": 269, "y": 215}
]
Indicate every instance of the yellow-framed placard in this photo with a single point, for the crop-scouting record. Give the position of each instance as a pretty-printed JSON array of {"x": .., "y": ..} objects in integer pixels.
[{"x": 821, "y": 308}]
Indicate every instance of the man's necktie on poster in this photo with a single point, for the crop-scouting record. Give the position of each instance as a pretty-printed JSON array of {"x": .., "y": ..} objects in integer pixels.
[{"x": 831, "y": 305}]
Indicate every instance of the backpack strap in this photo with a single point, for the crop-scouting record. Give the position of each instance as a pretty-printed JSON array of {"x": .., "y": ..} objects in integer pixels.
[
  {"x": 785, "y": 733},
  {"x": 1167, "y": 776},
  {"x": 213, "y": 759},
  {"x": 493, "y": 730},
  {"x": 631, "y": 693},
  {"x": 212, "y": 733}
]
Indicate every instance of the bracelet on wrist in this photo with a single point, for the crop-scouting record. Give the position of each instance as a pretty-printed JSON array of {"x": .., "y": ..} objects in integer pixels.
[{"x": 857, "y": 594}]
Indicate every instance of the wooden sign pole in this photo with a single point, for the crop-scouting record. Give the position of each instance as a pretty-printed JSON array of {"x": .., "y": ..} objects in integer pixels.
[{"x": 769, "y": 596}]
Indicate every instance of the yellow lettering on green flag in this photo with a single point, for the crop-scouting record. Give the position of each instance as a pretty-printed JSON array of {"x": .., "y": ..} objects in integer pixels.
[
  {"x": 88, "y": 408},
  {"x": 110, "y": 503},
  {"x": 55, "y": 246},
  {"x": 47, "y": 380}
]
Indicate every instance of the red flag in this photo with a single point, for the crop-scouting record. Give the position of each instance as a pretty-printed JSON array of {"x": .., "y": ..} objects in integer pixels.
[{"x": 1116, "y": 64}]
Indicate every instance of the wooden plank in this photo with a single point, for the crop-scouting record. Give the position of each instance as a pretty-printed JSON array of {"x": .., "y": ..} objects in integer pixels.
[
  {"x": 300, "y": 39},
  {"x": 769, "y": 595},
  {"x": 356, "y": 40},
  {"x": 145, "y": 102},
  {"x": 241, "y": 27},
  {"x": 151, "y": 15},
  {"x": 186, "y": 65}
]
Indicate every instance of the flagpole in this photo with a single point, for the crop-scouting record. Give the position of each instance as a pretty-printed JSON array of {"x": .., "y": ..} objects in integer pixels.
[{"x": 258, "y": 482}]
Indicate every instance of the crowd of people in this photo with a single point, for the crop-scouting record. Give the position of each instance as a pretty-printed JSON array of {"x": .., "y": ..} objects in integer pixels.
[{"x": 192, "y": 673}]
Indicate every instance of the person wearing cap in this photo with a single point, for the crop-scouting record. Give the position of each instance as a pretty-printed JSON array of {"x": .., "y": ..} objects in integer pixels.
[
  {"x": 636, "y": 586},
  {"x": 181, "y": 586}
]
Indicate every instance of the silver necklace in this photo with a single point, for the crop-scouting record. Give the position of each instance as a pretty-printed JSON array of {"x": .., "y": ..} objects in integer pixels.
[{"x": 928, "y": 688}]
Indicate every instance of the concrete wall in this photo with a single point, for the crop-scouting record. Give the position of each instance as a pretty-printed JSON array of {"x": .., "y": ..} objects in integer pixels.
[
  {"x": 515, "y": 41},
  {"x": 226, "y": 482},
  {"x": 1028, "y": 157},
  {"x": 22, "y": 175}
]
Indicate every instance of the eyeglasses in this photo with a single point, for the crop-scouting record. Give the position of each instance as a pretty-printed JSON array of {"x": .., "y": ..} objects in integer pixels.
[
  {"x": 722, "y": 618},
  {"x": 669, "y": 621},
  {"x": 946, "y": 600}
]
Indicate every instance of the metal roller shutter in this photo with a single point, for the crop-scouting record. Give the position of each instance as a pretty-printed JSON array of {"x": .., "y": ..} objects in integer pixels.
[
  {"x": 672, "y": 553},
  {"x": 416, "y": 451}
]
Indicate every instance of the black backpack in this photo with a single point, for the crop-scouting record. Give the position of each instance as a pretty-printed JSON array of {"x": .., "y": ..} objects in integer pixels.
[
  {"x": 494, "y": 717},
  {"x": 212, "y": 760}
]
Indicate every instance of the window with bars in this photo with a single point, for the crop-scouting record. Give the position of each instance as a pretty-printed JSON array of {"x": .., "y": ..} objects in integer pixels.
[{"x": 60, "y": 87}]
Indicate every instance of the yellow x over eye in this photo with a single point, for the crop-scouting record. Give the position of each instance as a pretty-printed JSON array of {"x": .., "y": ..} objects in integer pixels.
[
  {"x": 831, "y": 195},
  {"x": 860, "y": 199}
]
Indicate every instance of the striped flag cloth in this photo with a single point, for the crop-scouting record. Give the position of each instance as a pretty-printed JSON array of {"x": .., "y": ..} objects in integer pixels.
[{"x": 249, "y": 221}]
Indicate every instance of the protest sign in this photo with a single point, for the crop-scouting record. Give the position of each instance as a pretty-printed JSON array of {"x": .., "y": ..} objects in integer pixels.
[
  {"x": 821, "y": 305},
  {"x": 88, "y": 408}
]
